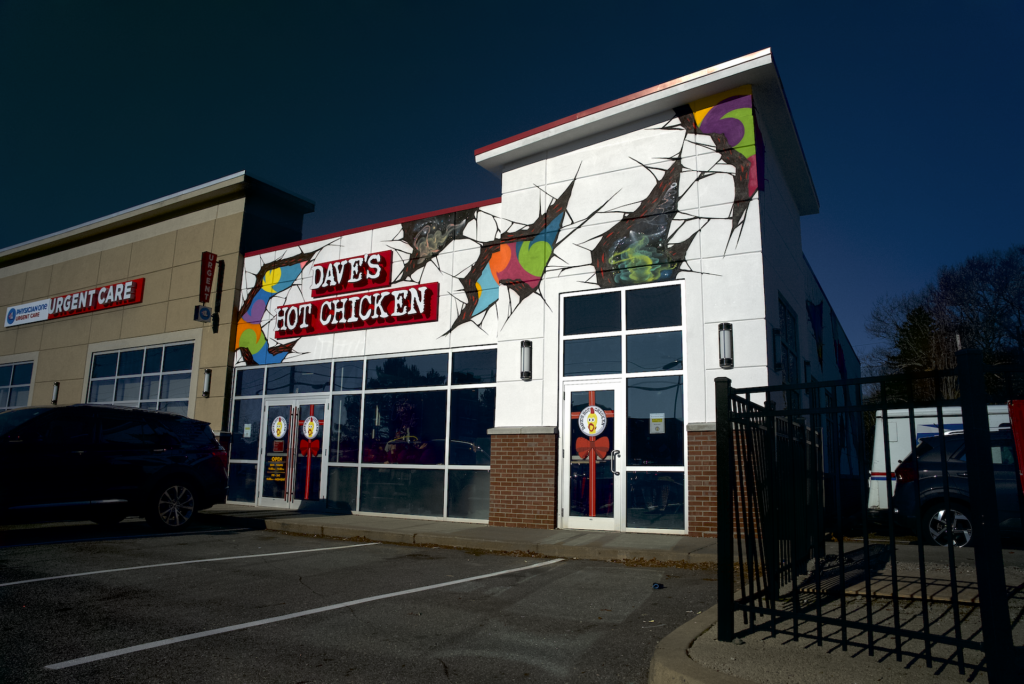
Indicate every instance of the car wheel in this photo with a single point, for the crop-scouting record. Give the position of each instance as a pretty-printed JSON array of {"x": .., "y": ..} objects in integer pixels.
[
  {"x": 172, "y": 507},
  {"x": 937, "y": 519}
]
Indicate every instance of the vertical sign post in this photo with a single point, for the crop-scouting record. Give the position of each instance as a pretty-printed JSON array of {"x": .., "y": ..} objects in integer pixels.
[{"x": 208, "y": 266}]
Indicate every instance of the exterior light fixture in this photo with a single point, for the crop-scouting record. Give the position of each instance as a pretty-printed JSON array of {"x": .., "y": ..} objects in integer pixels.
[
  {"x": 526, "y": 359},
  {"x": 206, "y": 382},
  {"x": 725, "y": 345},
  {"x": 56, "y": 391}
]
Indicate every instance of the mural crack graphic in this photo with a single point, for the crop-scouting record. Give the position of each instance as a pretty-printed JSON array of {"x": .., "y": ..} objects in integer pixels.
[{"x": 517, "y": 260}]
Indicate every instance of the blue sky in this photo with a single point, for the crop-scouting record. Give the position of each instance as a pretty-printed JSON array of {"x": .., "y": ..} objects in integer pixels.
[{"x": 374, "y": 110}]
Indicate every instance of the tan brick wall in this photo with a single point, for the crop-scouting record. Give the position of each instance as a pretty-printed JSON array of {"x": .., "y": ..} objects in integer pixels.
[{"x": 524, "y": 472}]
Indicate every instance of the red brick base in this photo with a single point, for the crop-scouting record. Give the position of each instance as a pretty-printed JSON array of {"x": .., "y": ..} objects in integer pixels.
[
  {"x": 701, "y": 483},
  {"x": 524, "y": 474}
]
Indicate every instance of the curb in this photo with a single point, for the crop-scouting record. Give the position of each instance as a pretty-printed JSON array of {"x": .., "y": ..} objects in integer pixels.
[
  {"x": 551, "y": 550},
  {"x": 671, "y": 662}
]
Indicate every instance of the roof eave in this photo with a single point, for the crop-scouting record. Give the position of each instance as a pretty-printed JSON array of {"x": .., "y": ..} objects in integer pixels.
[
  {"x": 757, "y": 70},
  {"x": 235, "y": 184}
]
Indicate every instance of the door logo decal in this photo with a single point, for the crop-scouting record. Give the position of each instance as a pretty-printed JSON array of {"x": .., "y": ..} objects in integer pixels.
[
  {"x": 279, "y": 428},
  {"x": 310, "y": 428},
  {"x": 592, "y": 421}
]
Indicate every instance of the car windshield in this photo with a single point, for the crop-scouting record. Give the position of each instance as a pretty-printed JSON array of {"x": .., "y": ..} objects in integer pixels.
[{"x": 12, "y": 419}]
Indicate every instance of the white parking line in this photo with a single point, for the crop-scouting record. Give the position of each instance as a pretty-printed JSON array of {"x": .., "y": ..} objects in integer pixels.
[
  {"x": 133, "y": 536},
  {"x": 289, "y": 616},
  {"x": 188, "y": 562}
]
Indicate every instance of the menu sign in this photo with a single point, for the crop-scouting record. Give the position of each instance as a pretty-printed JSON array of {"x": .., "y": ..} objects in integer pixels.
[
  {"x": 86, "y": 301},
  {"x": 385, "y": 308},
  {"x": 275, "y": 470}
]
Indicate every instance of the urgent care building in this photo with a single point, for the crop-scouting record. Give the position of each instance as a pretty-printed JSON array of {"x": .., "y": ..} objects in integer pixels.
[
  {"x": 545, "y": 358},
  {"x": 137, "y": 309}
]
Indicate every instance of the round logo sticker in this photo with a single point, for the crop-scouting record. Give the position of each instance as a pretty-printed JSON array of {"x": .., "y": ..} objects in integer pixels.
[
  {"x": 592, "y": 421},
  {"x": 310, "y": 428},
  {"x": 11, "y": 313},
  {"x": 279, "y": 428}
]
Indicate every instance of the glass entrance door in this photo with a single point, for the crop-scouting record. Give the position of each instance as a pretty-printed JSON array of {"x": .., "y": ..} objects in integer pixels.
[
  {"x": 294, "y": 444},
  {"x": 592, "y": 444}
]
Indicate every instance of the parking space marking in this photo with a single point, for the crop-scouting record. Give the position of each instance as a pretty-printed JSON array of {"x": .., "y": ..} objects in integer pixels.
[
  {"x": 133, "y": 536},
  {"x": 188, "y": 562},
  {"x": 280, "y": 618}
]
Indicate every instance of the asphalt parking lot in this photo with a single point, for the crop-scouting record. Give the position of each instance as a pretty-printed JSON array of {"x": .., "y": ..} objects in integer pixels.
[{"x": 229, "y": 604}]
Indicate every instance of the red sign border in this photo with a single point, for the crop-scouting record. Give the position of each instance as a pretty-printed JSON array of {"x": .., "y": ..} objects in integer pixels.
[
  {"x": 137, "y": 290},
  {"x": 315, "y": 327}
]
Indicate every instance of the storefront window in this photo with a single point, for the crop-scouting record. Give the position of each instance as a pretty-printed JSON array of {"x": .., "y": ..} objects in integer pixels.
[
  {"x": 654, "y": 352},
  {"x": 155, "y": 378},
  {"x": 472, "y": 415},
  {"x": 595, "y": 356},
  {"x": 474, "y": 367},
  {"x": 348, "y": 375},
  {"x": 314, "y": 377},
  {"x": 589, "y": 314},
  {"x": 249, "y": 382},
  {"x": 345, "y": 428},
  {"x": 402, "y": 490},
  {"x": 654, "y": 307},
  {"x": 399, "y": 372},
  {"x": 15, "y": 382},
  {"x": 405, "y": 427}
]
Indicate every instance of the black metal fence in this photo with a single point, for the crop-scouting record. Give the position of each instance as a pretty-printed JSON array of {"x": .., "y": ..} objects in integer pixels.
[{"x": 834, "y": 499}]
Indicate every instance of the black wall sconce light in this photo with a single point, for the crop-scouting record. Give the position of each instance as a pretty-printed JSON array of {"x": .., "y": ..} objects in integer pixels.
[
  {"x": 207, "y": 374},
  {"x": 725, "y": 345},
  {"x": 526, "y": 360},
  {"x": 56, "y": 391}
]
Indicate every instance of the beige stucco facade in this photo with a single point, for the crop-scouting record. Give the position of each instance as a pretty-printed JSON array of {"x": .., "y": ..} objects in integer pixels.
[{"x": 161, "y": 241}]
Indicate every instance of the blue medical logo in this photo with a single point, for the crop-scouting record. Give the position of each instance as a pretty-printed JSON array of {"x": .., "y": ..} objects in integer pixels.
[{"x": 11, "y": 312}]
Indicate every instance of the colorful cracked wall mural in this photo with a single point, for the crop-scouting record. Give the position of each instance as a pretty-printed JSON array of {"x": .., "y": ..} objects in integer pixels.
[
  {"x": 429, "y": 236},
  {"x": 728, "y": 118},
  {"x": 638, "y": 249},
  {"x": 517, "y": 260},
  {"x": 271, "y": 280},
  {"x": 648, "y": 240}
]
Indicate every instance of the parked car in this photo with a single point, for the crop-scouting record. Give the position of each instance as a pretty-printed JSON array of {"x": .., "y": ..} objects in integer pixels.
[
  {"x": 105, "y": 463},
  {"x": 920, "y": 492}
]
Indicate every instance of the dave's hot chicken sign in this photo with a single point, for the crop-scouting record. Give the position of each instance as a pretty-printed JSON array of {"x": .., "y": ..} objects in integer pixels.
[{"x": 342, "y": 303}]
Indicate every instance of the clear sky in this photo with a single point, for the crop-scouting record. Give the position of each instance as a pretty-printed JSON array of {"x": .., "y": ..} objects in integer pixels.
[{"x": 373, "y": 110}]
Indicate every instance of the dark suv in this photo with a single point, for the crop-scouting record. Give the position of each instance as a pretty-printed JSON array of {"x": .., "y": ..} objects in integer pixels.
[
  {"x": 920, "y": 474},
  {"x": 103, "y": 463}
]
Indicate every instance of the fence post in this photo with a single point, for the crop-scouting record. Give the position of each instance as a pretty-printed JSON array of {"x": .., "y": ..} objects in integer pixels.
[
  {"x": 988, "y": 554},
  {"x": 724, "y": 477}
]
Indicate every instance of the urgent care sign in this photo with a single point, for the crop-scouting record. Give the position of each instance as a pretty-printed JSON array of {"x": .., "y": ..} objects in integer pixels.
[
  {"x": 357, "y": 311},
  {"x": 96, "y": 299}
]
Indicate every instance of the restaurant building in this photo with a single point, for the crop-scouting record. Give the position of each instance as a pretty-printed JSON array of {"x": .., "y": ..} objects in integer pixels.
[{"x": 542, "y": 359}]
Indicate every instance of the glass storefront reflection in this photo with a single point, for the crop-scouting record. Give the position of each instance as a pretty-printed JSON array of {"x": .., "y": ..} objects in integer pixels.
[
  {"x": 656, "y": 500},
  {"x": 472, "y": 415},
  {"x": 654, "y": 426},
  {"x": 404, "y": 491},
  {"x": 405, "y": 427},
  {"x": 345, "y": 428}
]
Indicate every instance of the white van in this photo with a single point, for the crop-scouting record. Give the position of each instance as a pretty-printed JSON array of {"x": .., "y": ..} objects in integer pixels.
[{"x": 926, "y": 424}]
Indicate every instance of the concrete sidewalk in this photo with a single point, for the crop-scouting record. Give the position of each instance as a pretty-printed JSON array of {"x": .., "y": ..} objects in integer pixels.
[{"x": 556, "y": 543}]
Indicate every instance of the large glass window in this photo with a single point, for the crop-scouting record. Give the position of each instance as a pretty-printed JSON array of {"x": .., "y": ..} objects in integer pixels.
[
  {"x": 313, "y": 377},
  {"x": 595, "y": 356},
  {"x": 399, "y": 372},
  {"x": 405, "y": 427},
  {"x": 155, "y": 378},
  {"x": 15, "y": 382},
  {"x": 408, "y": 434}
]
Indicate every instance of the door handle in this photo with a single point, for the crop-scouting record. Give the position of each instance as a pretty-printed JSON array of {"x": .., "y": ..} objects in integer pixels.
[{"x": 615, "y": 458}]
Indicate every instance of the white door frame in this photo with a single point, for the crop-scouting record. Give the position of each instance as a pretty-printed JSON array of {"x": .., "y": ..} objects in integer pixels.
[
  {"x": 289, "y": 502},
  {"x": 566, "y": 520}
]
